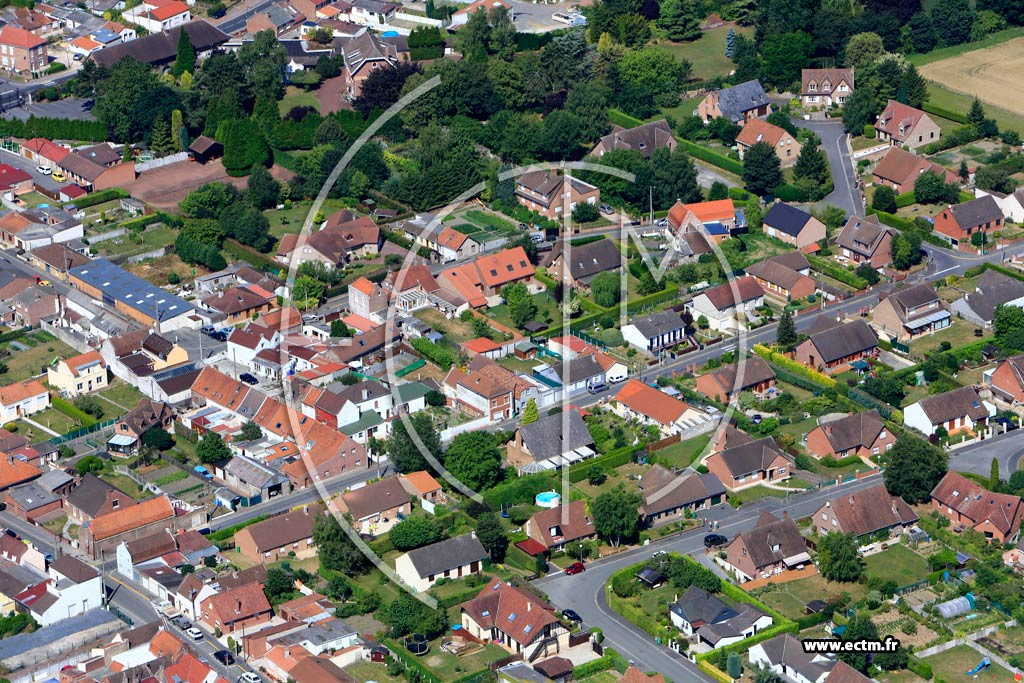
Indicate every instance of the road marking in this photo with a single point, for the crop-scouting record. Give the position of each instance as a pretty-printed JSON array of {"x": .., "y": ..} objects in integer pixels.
[{"x": 946, "y": 271}]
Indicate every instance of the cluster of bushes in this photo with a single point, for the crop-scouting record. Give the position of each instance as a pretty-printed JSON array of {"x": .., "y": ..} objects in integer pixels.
[
  {"x": 794, "y": 367},
  {"x": 191, "y": 250},
  {"x": 713, "y": 158},
  {"x": 100, "y": 197},
  {"x": 443, "y": 357},
  {"x": 53, "y": 129},
  {"x": 837, "y": 272},
  {"x": 426, "y": 42}
]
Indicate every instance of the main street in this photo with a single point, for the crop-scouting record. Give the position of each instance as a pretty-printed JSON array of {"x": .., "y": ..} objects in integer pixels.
[{"x": 585, "y": 592}]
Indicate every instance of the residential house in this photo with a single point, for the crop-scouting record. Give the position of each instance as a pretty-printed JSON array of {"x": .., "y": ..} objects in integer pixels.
[
  {"x": 479, "y": 394},
  {"x": 991, "y": 290},
  {"x": 280, "y": 18},
  {"x": 423, "y": 487},
  {"x": 22, "y": 53},
  {"x": 43, "y": 152},
  {"x": 452, "y": 245},
  {"x": 969, "y": 505},
  {"x": 836, "y": 348},
  {"x": 786, "y": 146},
  {"x": 1007, "y": 380},
  {"x": 341, "y": 239},
  {"x": 655, "y": 332},
  {"x": 555, "y": 528},
  {"x": 904, "y": 126},
  {"x": 865, "y": 240},
  {"x": 128, "y": 432},
  {"x": 738, "y": 104},
  {"x": 274, "y": 538},
  {"x": 577, "y": 266},
  {"x": 771, "y": 547},
  {"x": 103, "y": 534},
  {"x": 726, "y": 381},
  {"x": 516, "y": 620},
  {"x": 81, "y": 374},
  {"x": 546, "y": 193},
  {"x": 956, "y": 224},
  {"x": 232, "y": 610},
  {"x": 1012, "y": 205},
  {"x": 643, "y": 402},
  {"x": 241, "y": 304},
  {"x": 582, "y": 372},
  {"x": 784, "y": 277},
  {"x": 73, "y": 588},
  {"x": 34, "y": 304},
  {"x": 451, "y": 558},
  {"x": 784, "y": 654},
  {"x": 644, "y": 139},
  {"x": 750, "y": 463},
  {"x": 319, "y": 669},
  {"x": 372, "y": 12},
  {"x": 375, "y": 508},
  {"x": 253, "y": 480},
  {"x": 954, "y": 411},
  {"x": 729, "y": 305},
  {"x": 160, "y": 49},
  {"x": 793, "y": 226},
  {"x": 56, "y": 260},
  {"x": 825, "y": 88},
  {"x": 864, "y": 512},
  {"x": 909, "y": 313},
  {"x": 860, "y": 434},
  {"x": 362, "y": 55},
  {"x": 23, "y": 398},
  {"x": 665, "y": 494},
  {"x": 93, "y": 497},
  {"x": 550, "y": 443},
  {"x": 699, "y": 614},
  {"x": 31, "y": 501},
  {"x": 899, "y": 170},
  {"x": 15, "y": 180},
  {"x": 715, "y": 221},
  {"x": 157, "y": 16},
  {"x": 486, "y": 275}
]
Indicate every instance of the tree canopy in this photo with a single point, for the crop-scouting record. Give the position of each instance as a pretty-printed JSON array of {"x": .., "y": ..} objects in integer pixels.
[{"x": 913, "y": 469}]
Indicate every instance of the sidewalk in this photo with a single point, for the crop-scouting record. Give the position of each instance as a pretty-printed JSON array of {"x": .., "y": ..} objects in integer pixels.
[{"x": 39, "y": 426}]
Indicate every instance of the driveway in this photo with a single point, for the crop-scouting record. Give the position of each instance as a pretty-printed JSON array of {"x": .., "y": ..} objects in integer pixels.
[
  {"x": 833, "y": 141},
  {"x": 71, "y": 108},
  {"x": 977, "y": 458},
  {"x": 40, "y": 179},
  {"x": 532, "y": 17},
  {"x": 706, "y": 176}
]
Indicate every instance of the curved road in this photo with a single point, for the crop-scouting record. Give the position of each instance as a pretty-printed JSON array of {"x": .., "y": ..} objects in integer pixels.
[{"x": 845, "y": 194}]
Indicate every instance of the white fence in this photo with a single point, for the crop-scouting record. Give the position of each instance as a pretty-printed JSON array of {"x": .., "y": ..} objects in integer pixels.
[
  {"x": 417, "y": 19},
  {"x": 452, "y": 432},
  {"x": 163, "y": 161}
]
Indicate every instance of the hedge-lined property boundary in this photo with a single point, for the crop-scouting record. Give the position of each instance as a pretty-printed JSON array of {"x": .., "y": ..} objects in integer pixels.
[
  {"x": 100, "y": 197},
  {"x": 794, "y": 367},
  {"x": 692, "y": 148},
  {"x": 837, "y": 272},
  {"x": 71, "y": 411}
]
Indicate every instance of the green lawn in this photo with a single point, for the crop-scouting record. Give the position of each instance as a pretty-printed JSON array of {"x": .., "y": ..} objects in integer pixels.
[
  {"x": 489, "y": 220},
  {"x": 297, "y": 97},
  {"x": 958, "y": 334},
  {"x": 952, "y": 666},
  {"x": 707, "y": 53},
  {"x": 680, "y": 111},
  {"x": 290, "y": 220},
  {"x": 753, "y": 493},
  {"x": 23, "y": 364},
  {"x": 455, "y": 331},
  {"x": 448, "y": 667},
  {"x": 790, "y": 597},
  {"x": 367, "y": 671},
  {"x": 899, "y": 563},
  {"x": 124, "y": 483},
  {"x": 146, "y": 240},
  {"x": 945, "y": 98},
  {"x": 682, "y": 454},
  {"x": 547, "y": 311},
  {"x": 947, "y": 52},
  {"x": 125, "y": 395},
  {"x": 56, "y": 420}
]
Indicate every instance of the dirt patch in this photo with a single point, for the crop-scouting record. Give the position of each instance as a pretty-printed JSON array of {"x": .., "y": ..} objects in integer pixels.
[
  {"x": 156, "y": 270},
  {"x": 988, "y": 74},
  {"x": 365, "y": 624},
  {"x": 165, "y": 187},
  {"x": 892, "y": 623},
  {"x": 331, "y": 95}
]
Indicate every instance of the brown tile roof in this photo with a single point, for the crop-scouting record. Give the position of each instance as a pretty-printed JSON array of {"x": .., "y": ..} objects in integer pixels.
[
  {"x": 758, "y": 130},
  {"x": 740, "y": 376},
  {"x": 256, "y": 573},
  {"x": 902, "y": 167},
  {"x": 775, "y": 273},
  {"x": 635, "y": 675},
  {"x": 770, "y": 533},
  {"x": 644, "y": 139},
  {"x": 318, "y": 669},
  {"x": 862, "y": 234},
  {"x": 503, "y": 267},
  {"x": 498, "y": 601},
  {"x": 819, "y": 76},
  {"x": 942, "y": 408},
  {"x": 339, "y": 237},
  {"x": 164, "y": 644},
  {"x": 897, "y": 115},
  {"x": 420, "y": 482},
  {"x": 554, "y": 530},
  {"x": 723, "y": 297},
  {"x": 844, "y": 673},
  {"x": 20, "y": 391},
  {"x": 845, "y": 340},
  {"x": 283, "y": 530},
  {"x": 58, "y": 256},
  {"x": 235, "y": 300},
  {"x": 870, "y": 510},
  {"x": 237, "y": 603},
  {"x": 146, "y": 415},
  {"x": 216, "y": 387},
  {"x": 118, "y": 522},
  {"x": 663, "y": 491},
  {"x": 858, "y": 430},
  {"x": 374, "y": 498},
  {"x": 750, "y": 457},
  {"x": 128, "y": 343},
  {"x": 978, "y": 504},
  {"x": 73, "y": 568},
  {"x": 150, "y": 546}
]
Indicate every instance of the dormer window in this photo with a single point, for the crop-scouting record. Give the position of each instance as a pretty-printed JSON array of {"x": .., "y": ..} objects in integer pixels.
[{"x": 812, "y": 87}]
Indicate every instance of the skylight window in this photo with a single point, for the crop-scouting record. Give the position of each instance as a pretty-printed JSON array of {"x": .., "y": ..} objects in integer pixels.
[{"x": 512, "y": 616}]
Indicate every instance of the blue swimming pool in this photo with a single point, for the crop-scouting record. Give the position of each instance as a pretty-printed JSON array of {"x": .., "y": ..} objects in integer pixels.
[{"x": 548, "y": 499}]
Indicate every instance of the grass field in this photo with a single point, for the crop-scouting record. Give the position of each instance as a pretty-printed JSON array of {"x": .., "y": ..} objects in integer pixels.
[
  {"x": 952, "y": 666},
  {"x": 296, "y": 97},
  {"x": 957, "y": 334},
  {"x": 291, "y": 220},
  {"x": 28, "y": 363},
  {"x": 684, "y": 453},
  {"x": 899, "y": 563},
  {"x": 942, "y": 96},
  {"x": 707, "y": 53},
  {"x": 790, "y": 597},
  {"x": 150, "y": 238}
]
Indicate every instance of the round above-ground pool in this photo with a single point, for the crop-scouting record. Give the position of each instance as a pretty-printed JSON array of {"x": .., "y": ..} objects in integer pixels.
[
  {"x": 548, "y": 499},
  {"x": 390, "y": 34}
]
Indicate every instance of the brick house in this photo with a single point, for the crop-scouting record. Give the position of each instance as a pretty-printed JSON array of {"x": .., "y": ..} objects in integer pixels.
[
  {"x": 92, "y": 497},
  {"x": 864, "y": 240},
  {"x": 514, "y": 619},
  {"x": 149, "y": 414},
  {"x": 479, "y": 394},
  {"x": 758, "y": 130},
  {"x": 545, "y": 192},
  {"x": 273, "y": 539},
  {"x": 772, "y": 547},
  {"x": 236, "y": 609},
  {"x": 901, "y": 125},
  {"x": 968, "y": 505},
  {"x": 861, "y": 434},
  {"x": 833, "y": 350},
  {"x": 725, "y": 382},
  {"x": 784, "y": 277},
  {"x": 22, "y": 52},
  {"x": 825, "y": 87},
  {"x": 106, "y": 532},
  {"x": 909, "y": 313},
  {"x": 957, "y": 223},
  {"x": 241, "y": 304},
  {"x": 899, "y": 170},
  {"x": 751, "y": 463},
  {"x": 864, "y": 512},
  {"x": 377, "y": 507},
  {"x": 665, "y": 494},
  {"x": 739, "y": 104},
  {"x": 793, "y": 226},
  {"x": 1007, "y": 379}
]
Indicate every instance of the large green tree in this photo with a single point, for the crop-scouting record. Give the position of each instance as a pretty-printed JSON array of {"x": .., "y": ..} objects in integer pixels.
[
  {"x": 414, "y": 532},
  {"x": 244, "y": 146},
  {"x": 474, "y": 459},
  {"x": 131, "y": 98},
  {"x": 615, "y": 515},
  {"x": 186, "y": 56},
  {"x": 762, "y": 172},
  {"x": 913, "y": 469},
  {"x": 811, "y": 172},
  {"x": 211, "y": 448},
  {"x": 839, "y": 559},
  {"x": 403, "y": 451},
  {"x": 606, "y": 288},
  {"x": 884, "y": 199},
  {"x": 335, "y": 549},
  {"x": 953, "y": 20},
  {"x": 862, "y": 49},
  {"x": 679, "y": 19},
  {"x": 859, "y": 628},
  {"x": 785, "y": 333},
  {"x": 1008, "y": 325},
  {"x": 859, "y": 110},
  {"x": 784, "y": 56},
  {"x": 492, "y": 536},
  {"x": 264, "y": 192},
  {"x": 408, "y": 615}
]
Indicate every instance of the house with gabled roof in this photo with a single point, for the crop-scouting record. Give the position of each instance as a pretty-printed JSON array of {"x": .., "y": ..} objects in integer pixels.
[
  {"x": 729, "y": 305},
  {"x": 452, "y": 558},
  {"x": 491, "y": 395},
  {"x": 244, "y": 607},
  {"x": 749, "y": 464},
  {"x": 514, "y": 619},
  {"x": 715, "y": 220},
  {"x": 376, "y": 508},
  {"x": 81, "y": 374},
  {"x": 1006, "y": 380},
  {"x": 784, "y": 654},
  {"x": 645, "y": 139},
  {"x": 861, "y": 434},
  {"x": 904, "y": 126},
  {"x": 93, "y": 497},
  {"x": 899, "y": 170},
  {"x": 726, "y": 381},
  {"x": 105, "y": 532},
  {"x": 785, "y": 277},
  {"x": 793, "y": 226},
  {"x": 825, "y": 87},
  {"x": 864, "y": 512},
  {"x": 654, "y": 332},
  {"x": 991, "y": 290},
  {"x": 864, "y": 240},
  {"x": 771, "y": 547},
  {"x": 546, "y": 193},
  {"x": 1012, "y": 204},
  {"x": 556, "y": 527},
  {"x": 956, "y": 224},
  {"x": 452, "y": 245},
  {"x": 836, "y": 348},
  {"x": 577, "y": 266},
  {"x": 665, "y": 494},
  {"x": 909, "y": 313},
  {"x": 550, "y": 443},
  {"x": 22, "y": 399},
  {"x": 785, "y": 144},
  {"x": 954, "y": 411},
  {"x": 738, "y": 104},
  {"x": 969, "y": 505},
  {"x": 274, "y": 538},
  {"x": 642, "y": 402},
  {"x": 699, "y": 613}
]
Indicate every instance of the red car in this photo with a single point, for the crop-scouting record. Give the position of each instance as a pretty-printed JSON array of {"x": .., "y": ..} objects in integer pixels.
[{"x": 575, "y": 568}]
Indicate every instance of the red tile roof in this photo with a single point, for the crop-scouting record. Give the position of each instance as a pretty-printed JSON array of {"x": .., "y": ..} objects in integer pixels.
[
  {"x": 118, "y": 522},
  {"x": 20, "y": 38},
  {"x": 523, "y": 617},
  {"x": 644, "y": 399}
]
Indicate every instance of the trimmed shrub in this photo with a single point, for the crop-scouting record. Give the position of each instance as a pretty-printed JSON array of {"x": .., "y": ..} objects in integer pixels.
[
  {"x": 794, "y": 367},
  {"x": 100, "y": 197}
]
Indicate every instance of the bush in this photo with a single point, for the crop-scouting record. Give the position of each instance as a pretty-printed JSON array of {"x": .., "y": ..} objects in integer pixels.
[
  {"x": 869, "y": 131},
  {"x": 100, "y": 197},
  {"x": 442, "y": 357},
  {"x": 794, "y": 367},
  {"x": 837, "y": 272},
  {"x": 921, "y": 668}
]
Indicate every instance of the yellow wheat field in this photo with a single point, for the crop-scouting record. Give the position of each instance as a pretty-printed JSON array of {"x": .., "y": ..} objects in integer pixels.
[{"x": 992, "y": 74}]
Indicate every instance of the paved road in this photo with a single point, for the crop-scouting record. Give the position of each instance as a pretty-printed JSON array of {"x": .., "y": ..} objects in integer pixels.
[
  {"x": 833, "y": 141},
  {"x": 234, "y": 23},
  {"x": 977, "y": 458},
  {"x": 585, "y": 592},
  {"x": 41, "y": 179},
  {"x": 71, "y": 108}
]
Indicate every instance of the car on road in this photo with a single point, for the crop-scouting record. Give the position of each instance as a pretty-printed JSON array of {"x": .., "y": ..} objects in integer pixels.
[
  {"x": 523, "y": 226},
  {"x": 659, "y": 553},
  {"x": 715, "y": 540},
  {"x": 182, "y": 622},
  {"x": 44, "y": 170},
  {"x": 597, "y": 388},
  {"x": 59, "y": 177},
  {"x": 575, "y": 568},
  {"x": 756, "y": 419},
  {"x": 662, "y": 223},
  {"x": 606, "y": 210},
  {"x": 224, "y": 657},
  {"x": 194, "y": 633},
  {"x": 45, "y": 283},
  {"x": 219, "y": 335},
  {"x": 11, "y": 532},
  {"x": 250, "y": 677},
  {"x": 571, "y": 615},
  {"x": 249, "y": 378}
]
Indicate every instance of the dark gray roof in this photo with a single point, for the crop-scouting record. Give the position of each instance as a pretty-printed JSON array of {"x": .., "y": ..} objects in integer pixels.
[
  {"x": 578, "y": 369},
  {"x": 363, "y": 391},
  {"x": 545, "y": 438},
  {"x": 32, "y": 496},
  {"x": 786, "y": 218},
  {"x": 445, "y": 555},
  {"x": 658, "y": 323},
  {"x": 750, "y": 457},
  {"x": 978, "y": 211},
  {"x": 22, "y": 643},
  {"x": 593, "y": 258},
  {"x": 734, "y": 101},
  {"x": 787, "y": 649},
  {"x": 732, "y": 627},
  {"x": 74, "y": 569},
  {"x": 644, "y": 139},
  {"x": 853, "y": 431},
  {"x": 697, "y": 605},
  {"x": 913, "y": 297},
  {"x": 993, "y": 288},
  {"x": 130, "y": 290},
  {"x": 91, "y": 493},
  {"x": 162, "y": 48},
  {"x": 772, "y": 540},
  {"x": 844, "y": 340}
]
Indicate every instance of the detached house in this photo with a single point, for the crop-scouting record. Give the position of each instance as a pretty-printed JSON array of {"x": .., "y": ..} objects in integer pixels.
[
  {"x": 861, "y": 434},
  {"x": 954, "y": 411},
  {"x": 550, "y": 443},
  {"x": 514, "y": 619},
  {"x": 22, "y": 399},
  {"x": 1007, "y": 379},
  {"x": 699, "y": 613},
  {"x": 362, "y": 55},
  {"x": 957, "y": 223},
  {"x": 547, "y": 193},
  {"x": 1012, "y": 205},
  {"x": 903, "y": 126},
  {"x": 644, "y": 139},
  {"x": 655, "y": 332},
  {"x": 275, "y": 538},
  {"x": 738, "y": 104},
  {"x": 642, "y": 402},
  {"x": 785, "y": 277},
  {"x": 22, "y": 52},
  {"x": 909, "y": 313},
  {"x": 835, "y": 349},
  {"x": 784, "y": 654},
  {"x": 555, "y": 528},
  {"x": 865, "y": 240},
  {"x": 92, "y": 497},
  {"x": 717, "y": 220},
  {"x": 237, "y": 609},
  {"x": 577, "y": 266},
  {"x": 772, "y": 547},
  {"x": 377, "y": 507},
  {"x": 81, "y": 374},
  {"x": 793, "y": 226},
  {"x": 899, "y": 170},
  {"x": 452, "y": 559},
  {"x": 729, "y": 305},
  {"x": 665, "y": 494},
  {"x": 968, "y": 505},
  {"x": 825, "y": 87},
  {"x": 992, "y": 289},
  {"x": 725, "y": 382},
  {"x": 864, "y": 512},
  {"x": 786, "y": 147},
  {"x": 342, "y": 238},
  {"x": 750, "y": 463}
]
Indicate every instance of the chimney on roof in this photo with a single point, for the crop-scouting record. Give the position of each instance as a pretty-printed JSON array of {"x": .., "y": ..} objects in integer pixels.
[
  {"x": 785, "y": 514},
  {"x": 851, "y": 499},
  {"x": 238, "y": 609}
]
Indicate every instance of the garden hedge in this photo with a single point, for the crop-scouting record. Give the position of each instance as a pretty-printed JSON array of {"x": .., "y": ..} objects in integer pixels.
[
  {"x": 921, "y": 668},
  {"x": 714, "y": 158},
  {"x": 905, "y": 199},
  {"x": 944, "y": 113},
  {"x": 610, "y": 660},
  {"x": 53, "y": 129},
  {"x": 837, "y": 272},
  {"x": 71, "y": 411},
  {"x": 794, "y": 367},
  {"x": 608, "y": 461},
  {"x": 100, "y": 197}
]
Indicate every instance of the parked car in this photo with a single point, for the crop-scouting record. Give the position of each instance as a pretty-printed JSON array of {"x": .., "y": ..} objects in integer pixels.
[
  {"x": 523, "y": 226},
  {"x": 575, "y": 568},
  {"x": 182, "y": 622},
  {"x": 606, "y": 210},
  {"x": 59, "y": 177},
  {"x": 715, "y": 540},
  {"x": 662, "y": 223},
  {"x": 249, "y": 378},
  {"x": 224, "y": 657},
  {"x": 1005, "y": 422},
  {"x": 250, "y": 677},
  {"x": 756, "y": 419},
  {"x": 597, "y": 388},
  {"x": 219, "y": 335},
  {"x": 194, "y": 633},
  {"x": 44, "y": 170},
  {"x": 572, "y": 616},
  {"x": 208, "y": 329},
  {"x": 78, "y": 56}
]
